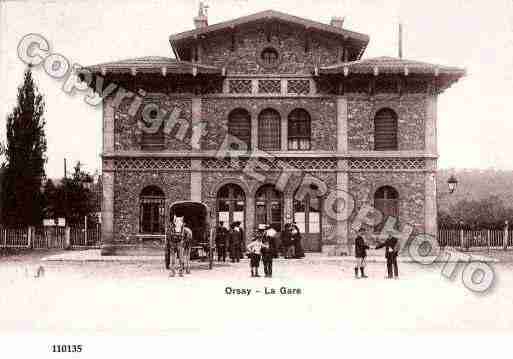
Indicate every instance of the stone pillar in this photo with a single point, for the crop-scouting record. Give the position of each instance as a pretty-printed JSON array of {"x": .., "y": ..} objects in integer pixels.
[
  {"x": 340, "y": 239},
  {"x": 284, "y": 134},
  {"x": 196, "y": 178},
  {"x": 254, "y": 131},
  {"x": 107, "y": 228},
  {"x": 431, "y": 125},
  {"x": 342, "y": 225},
  {"x": 107, "y": 211},
  {"x": 342, "y": 146},
  {"x": 108, "y": 126},
  {"x": 250, "y": 217},
  {"x": 430, "y": 205},
  {"x": 196, "y": 174}
]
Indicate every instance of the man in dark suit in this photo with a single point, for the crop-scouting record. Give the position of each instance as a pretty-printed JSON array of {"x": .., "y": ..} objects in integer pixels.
[
  {"x": 221, "y": 241},
  {"x": 235, "y": 243},
  {"x": 392, "y": 246},
  {"x": 360, "y": 253}
]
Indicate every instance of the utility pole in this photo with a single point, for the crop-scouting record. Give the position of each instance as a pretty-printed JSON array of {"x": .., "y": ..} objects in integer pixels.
[{"x": 400, "y": 40}]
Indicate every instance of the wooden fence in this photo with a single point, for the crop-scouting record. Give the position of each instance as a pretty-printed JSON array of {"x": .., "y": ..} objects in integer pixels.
[
  {"x": 482, "y": 238},
  {"x": 51, "y": 237}
]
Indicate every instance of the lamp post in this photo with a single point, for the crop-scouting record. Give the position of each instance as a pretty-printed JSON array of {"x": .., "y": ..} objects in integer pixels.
[{"x": 452, "y": 182}]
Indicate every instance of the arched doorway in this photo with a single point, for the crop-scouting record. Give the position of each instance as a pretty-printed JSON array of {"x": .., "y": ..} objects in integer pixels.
[
  {"x": 230, "y": 204},
  {"x": 386, "y": 200},
  {"x": 152, "y": 210},
  {"x": 269, "y": 207},
  {"x": 308, "y": 217}
]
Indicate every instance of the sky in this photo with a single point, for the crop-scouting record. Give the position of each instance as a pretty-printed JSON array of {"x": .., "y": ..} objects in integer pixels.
[{"x": 475, "y": 116}]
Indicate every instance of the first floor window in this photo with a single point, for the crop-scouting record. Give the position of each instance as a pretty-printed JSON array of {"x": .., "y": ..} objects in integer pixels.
[
  {"x": 152, "y": 211},
  {"x": 307, "y": 214}
]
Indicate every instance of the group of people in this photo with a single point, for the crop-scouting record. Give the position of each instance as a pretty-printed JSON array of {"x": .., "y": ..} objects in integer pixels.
[
  {"x": 265, "y": 245},
  {"x": 392, "y": 247},
  {"x": 230, "y": 240}
]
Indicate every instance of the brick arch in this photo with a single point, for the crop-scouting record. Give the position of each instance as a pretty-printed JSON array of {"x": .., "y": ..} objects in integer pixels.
[
  {"x": 230, "y": 180},
  {"x": 270, "y": 104},
  {"x": 157, "y": 182},
  {"x": 256, "y": 186},
  {"x": 377, "y": 185},
  {"x": 376, "y": 107}
]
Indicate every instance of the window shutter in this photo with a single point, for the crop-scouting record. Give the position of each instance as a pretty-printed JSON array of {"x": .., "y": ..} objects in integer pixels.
[
  {"x": 385, "y": 130},
  {"x": 239, "y": 126}
]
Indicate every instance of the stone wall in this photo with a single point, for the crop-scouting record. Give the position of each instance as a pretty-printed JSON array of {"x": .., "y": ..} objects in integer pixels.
[
  {"x": 409, "y": 185},
  {"x": 127, "y": 188},
  {"x": 322, "y": 111},
  {"x": 411, "y": 112},
  {"x": 288, "y": 40},
  {"x": 127, "y": 134}
]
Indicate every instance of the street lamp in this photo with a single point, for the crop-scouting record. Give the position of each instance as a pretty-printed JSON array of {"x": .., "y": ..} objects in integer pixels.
[{"x": 452, "y": 182}]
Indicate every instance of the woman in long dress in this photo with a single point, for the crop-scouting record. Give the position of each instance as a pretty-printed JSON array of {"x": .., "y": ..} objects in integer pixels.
[{"x": 296, "y": 235}]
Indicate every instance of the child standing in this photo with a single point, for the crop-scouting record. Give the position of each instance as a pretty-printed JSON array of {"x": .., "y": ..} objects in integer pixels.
[
  {"x": 255, "y": 249},
  {"x": 268, "y": 252},
  {"x": 360, "y": 253}
]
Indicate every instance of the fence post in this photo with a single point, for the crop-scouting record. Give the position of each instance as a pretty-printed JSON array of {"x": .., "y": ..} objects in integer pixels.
[
  {"x": 29, "y": 237},
  {"x": 505, "y": 240},
  {"x": 488, "y": 239},
  {"x": 462, "y": 245},
  {"x": 5, "y": 237},
  {"x": 67, "y": 238}
]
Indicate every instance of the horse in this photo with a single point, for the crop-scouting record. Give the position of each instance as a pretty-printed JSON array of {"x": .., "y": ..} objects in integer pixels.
[{"x": 178, "y": 244}]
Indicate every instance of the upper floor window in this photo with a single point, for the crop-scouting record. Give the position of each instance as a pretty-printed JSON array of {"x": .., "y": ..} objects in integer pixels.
[
  {"x": 269, "y": 57},
  {"x": 299, "y": 131},
  {"x": 269, "y": 130},
  {"x": 239, "y": 126},
  {"x": 385, "y": 130},
  {"x": 152, "y": 137}
]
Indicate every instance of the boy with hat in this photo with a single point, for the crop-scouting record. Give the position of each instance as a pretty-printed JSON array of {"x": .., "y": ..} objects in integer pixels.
[{"x": 360, "y": 253}]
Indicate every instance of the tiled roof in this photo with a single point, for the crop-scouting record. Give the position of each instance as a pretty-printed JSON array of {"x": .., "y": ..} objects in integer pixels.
[
  {"x": 363, "y": 39},
  {"x": 391, "y": 65},
  {"x": 154, "y": 64}
]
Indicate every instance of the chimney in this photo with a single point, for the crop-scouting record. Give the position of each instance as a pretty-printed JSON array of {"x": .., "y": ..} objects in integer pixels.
[
  {"x": 337, "y": 21},
  {"x": 202, "y": 19}
]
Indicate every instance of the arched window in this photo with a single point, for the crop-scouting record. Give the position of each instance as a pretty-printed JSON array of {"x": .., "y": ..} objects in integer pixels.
[
  {"x": 231, "y": 203},
  {"x": 299, "y": 130},
  {"x": 239, "y": 126},
  {"x": 268, "y": 207},
  {"x": 269, "y": 130},
  {"x": 386, "y": 200},
  {"x": 152, "y": 210},
  {"x": 269, "y": 57},
  {"x": 385, "y": 130}
]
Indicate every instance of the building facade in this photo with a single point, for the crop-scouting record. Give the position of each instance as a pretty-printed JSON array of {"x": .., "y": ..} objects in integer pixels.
[{"x": 264, "y": 118}]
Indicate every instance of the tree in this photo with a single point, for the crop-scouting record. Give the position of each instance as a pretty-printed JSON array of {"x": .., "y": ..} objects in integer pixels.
[
  {"x": 76, "y": 195},
  {"x": 25, "y": 157},
  {"x": 51, "y": 204}
]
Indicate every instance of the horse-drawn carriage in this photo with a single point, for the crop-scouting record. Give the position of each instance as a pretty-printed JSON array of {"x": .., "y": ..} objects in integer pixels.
[{"x": 188, "y": 235}]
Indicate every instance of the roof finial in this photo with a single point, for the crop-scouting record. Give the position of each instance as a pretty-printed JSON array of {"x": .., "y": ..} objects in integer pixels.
[{"x": 202, "y": 19}]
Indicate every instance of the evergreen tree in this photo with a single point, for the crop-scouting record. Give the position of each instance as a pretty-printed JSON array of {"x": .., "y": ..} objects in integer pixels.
[
  {"x": 25, "y": 157},
  {"x": 76, "y": 196}
]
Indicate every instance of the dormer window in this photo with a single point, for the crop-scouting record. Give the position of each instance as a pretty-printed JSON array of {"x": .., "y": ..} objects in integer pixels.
[{"x": 269, "y": 57}]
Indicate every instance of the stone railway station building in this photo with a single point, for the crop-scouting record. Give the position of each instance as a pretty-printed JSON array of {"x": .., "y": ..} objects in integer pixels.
[{"x": 299, "y": 91}]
